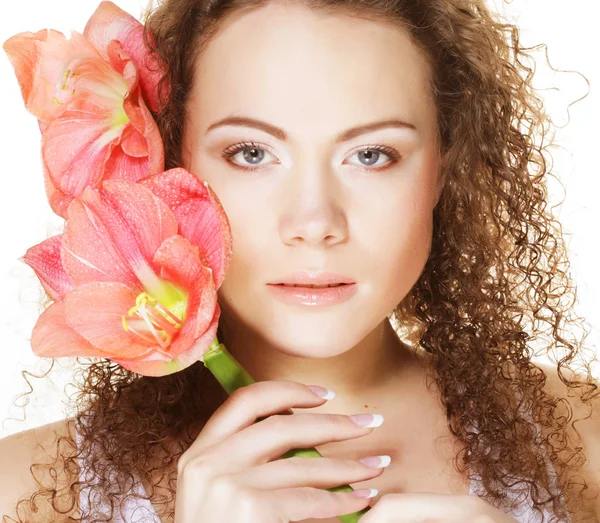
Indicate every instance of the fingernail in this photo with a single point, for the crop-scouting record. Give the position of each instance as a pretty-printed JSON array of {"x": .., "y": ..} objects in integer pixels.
[
  {"x": 322, "y": 392},
  {"x": 366, "y": 493},
  {"x": 367, "y": 420},
  {"x": 376, "y": 461}
]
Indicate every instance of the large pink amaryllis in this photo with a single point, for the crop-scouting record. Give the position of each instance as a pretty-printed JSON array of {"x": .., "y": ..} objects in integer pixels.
[
  {"x": 134, "y": 276},
  {"x": 92, "y": 97}
]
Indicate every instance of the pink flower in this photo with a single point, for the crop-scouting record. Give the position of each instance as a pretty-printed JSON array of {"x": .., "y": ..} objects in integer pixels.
[
  {"x": 127, "y": 283},
  {"x": 91, "y": 95}
]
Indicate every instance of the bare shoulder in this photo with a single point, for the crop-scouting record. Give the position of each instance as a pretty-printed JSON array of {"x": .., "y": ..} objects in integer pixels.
[
  {"x": 588, "y": 427},
  {"x": 18, "y": 452}
]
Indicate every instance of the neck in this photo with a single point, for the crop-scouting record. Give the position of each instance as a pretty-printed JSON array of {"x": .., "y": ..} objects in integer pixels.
[{"x": 358, "y": 374}]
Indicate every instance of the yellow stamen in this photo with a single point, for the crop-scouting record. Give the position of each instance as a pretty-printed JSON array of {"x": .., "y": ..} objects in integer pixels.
[
  {"x": 163, "y": 321},
  {"x": 66, "y": 75}
]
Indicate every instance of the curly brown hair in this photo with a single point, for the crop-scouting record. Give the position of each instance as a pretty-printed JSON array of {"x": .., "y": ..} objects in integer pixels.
[{"x": 497, "y": 270}]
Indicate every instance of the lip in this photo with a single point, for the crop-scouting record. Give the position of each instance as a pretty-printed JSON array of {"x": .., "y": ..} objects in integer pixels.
[
  {"x": 313, "y": 278},
  {"x": 313, "y": 297}
]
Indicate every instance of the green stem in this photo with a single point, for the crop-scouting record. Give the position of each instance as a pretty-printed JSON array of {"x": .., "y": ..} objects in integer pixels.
[{"x": 231, "y": 375}]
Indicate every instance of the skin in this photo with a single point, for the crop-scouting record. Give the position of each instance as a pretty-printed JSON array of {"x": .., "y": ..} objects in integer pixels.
[
  {"x": 310, "y": 207},
  {"x": 308, "y": 204}
]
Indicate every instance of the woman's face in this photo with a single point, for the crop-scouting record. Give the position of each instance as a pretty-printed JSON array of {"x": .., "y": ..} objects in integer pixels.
[{"x": 313, "y": 201}]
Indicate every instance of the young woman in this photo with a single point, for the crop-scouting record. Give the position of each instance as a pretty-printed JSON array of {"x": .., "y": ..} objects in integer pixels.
[{"x": 389, "y": 147}]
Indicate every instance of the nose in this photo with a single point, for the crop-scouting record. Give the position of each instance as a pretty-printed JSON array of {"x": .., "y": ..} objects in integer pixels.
[{"x": 312, "y": 209}]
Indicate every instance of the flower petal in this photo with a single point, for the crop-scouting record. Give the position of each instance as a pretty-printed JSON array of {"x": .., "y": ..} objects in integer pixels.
[
  {"x": 179, "y": 262},
  {"x": 75, "y": 148},
  {"x": 136, "y": 220},
  {"x": 110, "y": 22},
  {"x": 200, "y": 214},
  {"x": 143, "y": 121},
  {"x": 59, "y": 201},
  {"x": 121, "y": 166},
  {"x": 95, "y": 312},
  {"x": 133, "y": 143},
  {"x": 136, "y": 110},
  {"x": 44, "y": 258},
  {"x": 53, "y": 337},
  {"x": 88, "y": 252}
]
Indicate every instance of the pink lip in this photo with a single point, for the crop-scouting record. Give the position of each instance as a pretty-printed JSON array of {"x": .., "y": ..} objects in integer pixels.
[
  {"x": 313, "y": 278},
  {"x": 311, "y": 296}
]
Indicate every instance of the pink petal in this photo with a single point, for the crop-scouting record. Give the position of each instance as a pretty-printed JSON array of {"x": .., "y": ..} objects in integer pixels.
[
  {"x": 136, "y": 220},
  {"x": 200, "y": 214},
  {"x": 122, "y": 62},
  {"x": 75, "y": 148},
  {"x": 109, "y": 22},
  {"x": 88, "y": 252},
  {"x": 59, "y": 201},
  {"x": 95, "y": 312},
  {"x": 143, "y": 121},
  {"x": 179, "y": 262},
  {"x": 53, "y": 337},
  {"x": 45, "y": 260},
  {"x": 149, "y": 141},
  {"x": 133, "y": 143},
  {"x": 135, "y": 108},
  {"x": 121, "y": 166},
  {"x": 39, "y": 60},
  {"x": 163, "y": 366}
]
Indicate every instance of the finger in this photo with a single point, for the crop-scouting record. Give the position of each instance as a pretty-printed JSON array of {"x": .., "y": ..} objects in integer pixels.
[
  {"x": 298, "y": 504},
  {"x": 271, "y": 438},
  {"x": 311, "y": 472},
  {"x": 246, "y": 404}
]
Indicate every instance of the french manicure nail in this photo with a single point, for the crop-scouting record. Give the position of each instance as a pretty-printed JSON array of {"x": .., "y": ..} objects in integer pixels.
[
  {"x": 322, "y": 392},
  {"x": 366, "y": 493},
  {"x": 376, "y": 461},
  {"x": 367, "y": 420}
]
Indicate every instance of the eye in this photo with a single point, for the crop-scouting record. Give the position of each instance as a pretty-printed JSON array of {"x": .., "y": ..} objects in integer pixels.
[
  {"x": 254, "y": 153},
  {"x": 372, "y": 153}
]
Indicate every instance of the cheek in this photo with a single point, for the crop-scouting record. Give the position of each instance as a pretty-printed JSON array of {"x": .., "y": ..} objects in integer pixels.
[{"x": 404, "y": 235}]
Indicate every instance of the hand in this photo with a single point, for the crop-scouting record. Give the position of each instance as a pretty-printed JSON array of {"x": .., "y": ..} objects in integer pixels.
[
  {"x": 421, "y": 507},
  {"x": 232, "y": 472}
]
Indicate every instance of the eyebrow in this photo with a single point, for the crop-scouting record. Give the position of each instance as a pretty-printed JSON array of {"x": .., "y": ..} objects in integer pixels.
[{"x": 280, "y": 134}]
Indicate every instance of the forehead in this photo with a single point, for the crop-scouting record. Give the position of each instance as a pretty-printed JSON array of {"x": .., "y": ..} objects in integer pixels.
[{"x": 296, "y": 67}]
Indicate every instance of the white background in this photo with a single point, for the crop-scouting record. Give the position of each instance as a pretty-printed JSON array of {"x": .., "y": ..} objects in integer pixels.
[{"x": 571, "y": 35}]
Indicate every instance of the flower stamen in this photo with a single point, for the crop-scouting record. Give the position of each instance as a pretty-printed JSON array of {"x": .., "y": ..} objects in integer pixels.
[{"x": 160, "y": 322}]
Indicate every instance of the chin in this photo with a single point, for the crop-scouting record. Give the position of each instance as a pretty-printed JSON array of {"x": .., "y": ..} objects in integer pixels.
[{"x": 317, "y": 343}]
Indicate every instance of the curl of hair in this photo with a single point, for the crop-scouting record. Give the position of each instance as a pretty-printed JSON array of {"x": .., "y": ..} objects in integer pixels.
[{"x": 497, "y": 272}]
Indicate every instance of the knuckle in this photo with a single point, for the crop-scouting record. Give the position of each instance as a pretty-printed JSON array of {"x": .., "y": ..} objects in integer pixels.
[
  {"x": 181, "y": 464},
  {"x": 275, "y": 421},
  {"x": 239, "y": 395},
  {"x": 248, "y": 504},
  {"x": 338, "y": 421},
  {"x": 223, "y": 487},
  {"x": 198, "y": 466},
  {"x": 356, "y": 467},
  {"x": 311, "y": 496}
]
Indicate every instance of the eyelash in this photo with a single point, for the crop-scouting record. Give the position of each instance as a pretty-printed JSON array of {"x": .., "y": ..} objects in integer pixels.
[{"x": 232, "y": 150}]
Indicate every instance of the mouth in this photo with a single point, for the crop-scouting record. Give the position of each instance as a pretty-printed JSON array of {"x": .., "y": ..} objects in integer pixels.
[
  {"x": 309, "y": 285},
  {"x": 312, "y": 294}
]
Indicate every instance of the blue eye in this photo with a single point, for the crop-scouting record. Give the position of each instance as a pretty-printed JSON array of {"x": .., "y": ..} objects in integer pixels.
[{"x": 254, "y": 153}]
